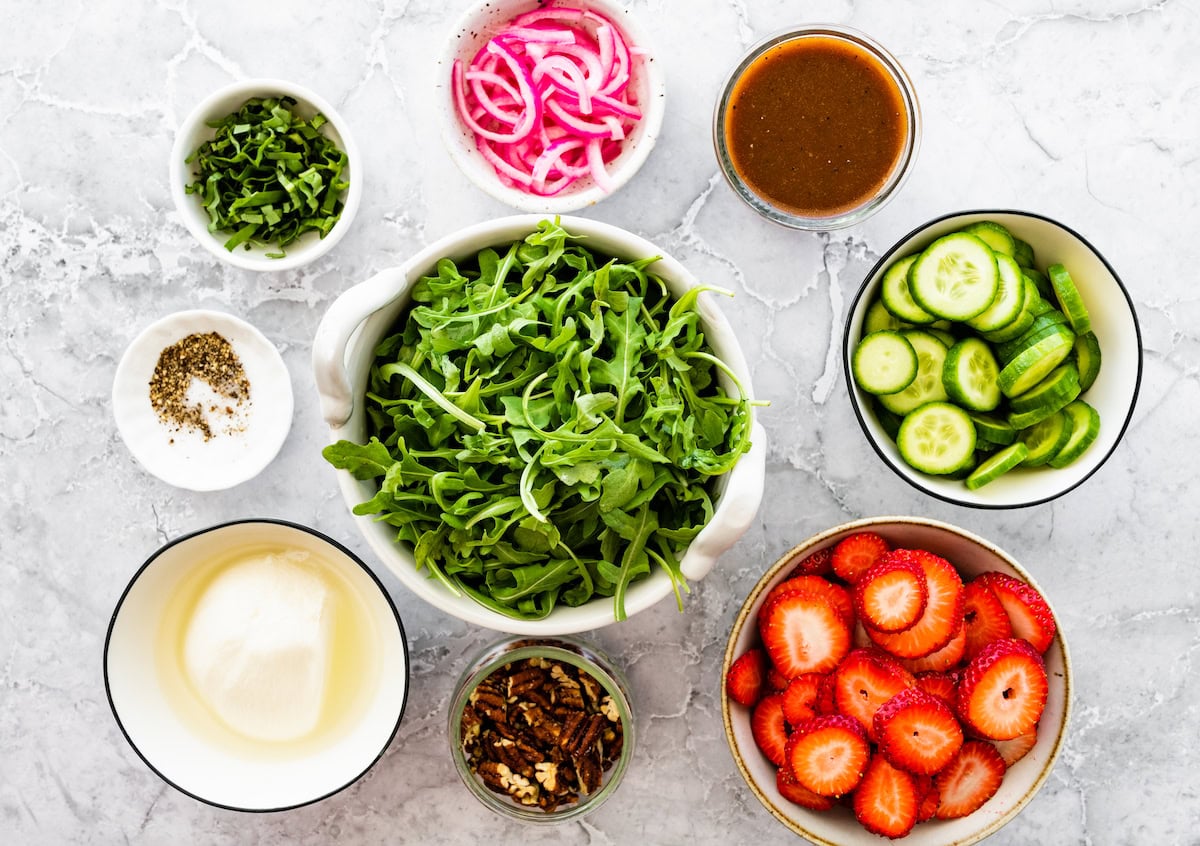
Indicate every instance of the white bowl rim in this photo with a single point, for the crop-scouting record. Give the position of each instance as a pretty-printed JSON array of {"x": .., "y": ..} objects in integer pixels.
[
  {"x": 864, "y": 524},
  {"x": 217, "y": 527},
  {"x": 297, "y": 255},
  {"x": 859, "y": 412}
]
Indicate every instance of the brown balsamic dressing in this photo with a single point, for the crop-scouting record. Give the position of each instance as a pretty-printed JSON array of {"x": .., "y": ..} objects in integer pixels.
[{"x": 815, "y": 126}]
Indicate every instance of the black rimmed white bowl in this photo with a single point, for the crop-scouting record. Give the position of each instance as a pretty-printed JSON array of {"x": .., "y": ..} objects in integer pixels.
[
  {"x": 1113, "y": 395},
  {"x": 183, "y": 743}
]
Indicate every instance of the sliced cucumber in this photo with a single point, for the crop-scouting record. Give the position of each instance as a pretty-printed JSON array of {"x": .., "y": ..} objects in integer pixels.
[
  {"x": 992, "y": 429},
  {"x": 1069, "y": 299},
  {"x": 937, "y": 438},
  {"x": 994, "y": 235},
  {"x": 1044, "y": 440},
  {"x": 969, "y": 375},
  {"x": 895, "y": 296},
  {"x": 878, "y": 318},
  {"x": 1010, "y": 298},
  {"x": 1022, "y": 252},
  {"x": 1042, "y": 325},
  {"x": 943, "y": 335},
  {"x": 1085, "y": 428},
  {"x": 1087, "y": 359},
  {"x": 927, "y": 387},
  {"x": 1055, "y": 391},
  {"x": 884, "y": 363},
  {"x": 997, "y": 465},
  {"x": 1043, "y": 284},
  {"x": 1034, "y": 364},
  {"x": 1013, "y": 330},
  {"x": 956, "y": 277},
  {"x": 890, "y": 422}
]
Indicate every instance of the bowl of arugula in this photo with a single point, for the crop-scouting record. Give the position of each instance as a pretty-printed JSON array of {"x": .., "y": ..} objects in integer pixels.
[{"x": 541, "y": 426}]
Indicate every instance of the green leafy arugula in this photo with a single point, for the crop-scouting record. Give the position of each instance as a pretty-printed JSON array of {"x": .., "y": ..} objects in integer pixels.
[{"x": 545, "y": 425}]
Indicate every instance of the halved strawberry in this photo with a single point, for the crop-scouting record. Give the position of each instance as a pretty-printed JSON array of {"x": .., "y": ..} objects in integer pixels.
[
  {"x": 917, "y": 732},
  {"x": 828, "y": 754},
  {"x": 769, "y": 728},
  {"x": 865, "y": 680},
  {"x": 800, "y": 698},
  {"x": 942, "y": 685},
  {"x": 885, "y": 801},
  {"x": 945, "y": 658},
  {"x": 827, "y": 695},
  {"x": 855, "y": 554},
  {"x": 969, "y": 780},
  {"x": 1017, "y": 748},
  {"x": 1002, "y": 692},
  {"x": 803, "y": 633},
  {"x": 1028, "y": 612},
  {"x": 794, "y": 791},
  {"x": 927, "y": 797},
  {"x": 744, "y": 681},
  {"x": 814, "y": 564},
  {"x": 943, "y": 609},
  {"x": 776, "y": 681},
  {"x": 984, "y": 617},
  {"x": 891, "y": 595},
  {"x": 835, "y": 595}
]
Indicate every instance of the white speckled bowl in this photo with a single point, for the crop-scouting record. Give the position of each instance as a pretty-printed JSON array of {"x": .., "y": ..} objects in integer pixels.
[
  {"x": 473, "y": 30},
  {"x": 344, "y": 349},
  {"x": 1113, "y": 395},
  {"x": 971, "y": 555},
  {"x": 194, "y": 131}
]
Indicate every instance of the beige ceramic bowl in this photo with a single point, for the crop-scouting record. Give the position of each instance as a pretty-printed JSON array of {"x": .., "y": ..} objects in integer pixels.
[{"x": 971, "y": 555}]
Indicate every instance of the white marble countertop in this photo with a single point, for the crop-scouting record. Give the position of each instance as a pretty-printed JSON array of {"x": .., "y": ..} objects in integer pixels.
[{"x": 1085, "y": 111}]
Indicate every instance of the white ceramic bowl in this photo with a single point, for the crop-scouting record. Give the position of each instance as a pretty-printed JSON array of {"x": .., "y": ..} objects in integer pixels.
[
  {"x": 837, "y": 827},
  {"x": 1113, "y": 395},
  {"x": 474, "y": 29},
  {"x": 159, "y": 717},
  {"x": 194, "y": 131},
  {"x": 344, "y": 349}
]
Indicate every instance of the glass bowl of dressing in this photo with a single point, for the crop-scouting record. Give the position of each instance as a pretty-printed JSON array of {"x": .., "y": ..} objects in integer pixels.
[{"x": 817, "y": 127}]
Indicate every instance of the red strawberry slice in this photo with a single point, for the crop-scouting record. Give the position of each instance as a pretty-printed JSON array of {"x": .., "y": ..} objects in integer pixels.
[
  {"x": 855, "y": 554},
  {"x": 818, "y": 563},
  {"x": 943, "y": 609},
  {"x": 800, "y": 698},
  {"x": 1028, "y": 612},
  {"x": 969, "y": 780},
  {"x": 917, "y": 732},
  {"x": 984, "y": 617},
  {"x": 794, "y": 791},
  {"x": 803, "y": 633},
  {"x": 835, "y": 595},
  {"x": 1003, "y": 690},
  {"x": 827, "y": 695},
  {"x": 885, "y": 801},
  {"x": 927, "y": 797},
  {"x": 891, "y": 595},
  {"x": 828, "y": 754},
  {"x": 744, "y": 681},
  {"x": 942, "y": 659},
  {"x": 769, "y": 728},
  {"x": 942, "y": 685},
  {"x": 1017, "y": 748},
  {"x": 865, "y": 680},
  {"x": 776, "y": 681}
]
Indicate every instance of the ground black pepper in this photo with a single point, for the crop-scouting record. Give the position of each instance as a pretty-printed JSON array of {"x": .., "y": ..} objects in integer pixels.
[{"x": 209, "y": 358}]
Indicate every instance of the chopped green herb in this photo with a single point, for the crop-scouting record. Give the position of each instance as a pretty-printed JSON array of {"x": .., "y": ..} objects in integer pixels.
[
  {"x": 546, "y": 424},
  {"x": 269, "y": 176}
]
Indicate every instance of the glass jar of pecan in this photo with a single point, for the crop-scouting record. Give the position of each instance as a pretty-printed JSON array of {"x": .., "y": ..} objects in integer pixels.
[{"x": 541, "y": 729}]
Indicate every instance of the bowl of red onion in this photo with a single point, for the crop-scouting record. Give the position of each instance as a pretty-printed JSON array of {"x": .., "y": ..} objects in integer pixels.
[{"x": 549, "y": 107}]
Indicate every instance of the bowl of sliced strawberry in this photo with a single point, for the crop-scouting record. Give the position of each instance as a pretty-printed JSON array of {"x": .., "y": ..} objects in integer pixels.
[{"x": 896, "y": 676}]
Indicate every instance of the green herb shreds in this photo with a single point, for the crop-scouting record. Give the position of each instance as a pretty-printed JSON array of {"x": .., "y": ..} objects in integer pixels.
[
  {"x": 546, "y": 424},
  {"x": 269, "y": 176}
]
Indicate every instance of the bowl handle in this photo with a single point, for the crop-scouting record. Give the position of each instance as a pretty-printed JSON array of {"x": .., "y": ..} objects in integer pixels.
[
  {"x": 333, "y": 336},
  {"x": 739, "y": 503}
]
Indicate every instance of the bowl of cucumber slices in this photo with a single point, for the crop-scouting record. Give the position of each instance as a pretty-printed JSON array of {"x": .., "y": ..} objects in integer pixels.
[{"x": 993, "y": 358}]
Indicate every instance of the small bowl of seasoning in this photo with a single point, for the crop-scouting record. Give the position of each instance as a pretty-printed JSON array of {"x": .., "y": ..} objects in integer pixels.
[
  {"x": 541, "y": 730},
  {"x": 266, "y": 175},
  {"x": 817, "y": 127},
  {"x": 203, "y": 400}
]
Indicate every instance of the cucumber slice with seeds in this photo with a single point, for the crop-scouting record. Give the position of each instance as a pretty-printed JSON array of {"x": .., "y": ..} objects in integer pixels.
[
  {"x": 1046, "y": 439},
  {"x": 969, "y": 375},
  {"x": 994, "y": 235},
  {"x": 1009, "y": 301},
  {"x": 1087, "y": 359},
  {"x": 1034, "y": 364},
  {"x": 878, "y": 319},
  {"x": 1085, "y": 428},
  {"x": 997, "y": 465},
  {"x": 1069, "y": 299},
  {"x": 956, "y": 277},
  {"x": 884, "y": 363},
  {"x": 937, "y": 438},
  {"x": 927, "y": 387},
  {"x": 895, "y": 296}
]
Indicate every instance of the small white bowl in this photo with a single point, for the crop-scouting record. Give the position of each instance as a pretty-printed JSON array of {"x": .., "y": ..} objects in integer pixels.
[
  {"x": 1113, "y": 395},
  {"x": 182, "y": 457},
  {"x": 344, "y": 348},
  {"x": 194, "y": 131},
  {"x": 474, "y": 29},
  {"x": 158, "y": 714},
  {"x": 971, "y": 555}
]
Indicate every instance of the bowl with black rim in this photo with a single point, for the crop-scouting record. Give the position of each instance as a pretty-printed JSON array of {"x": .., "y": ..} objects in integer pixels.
[{"x": 1041, "y": 456}]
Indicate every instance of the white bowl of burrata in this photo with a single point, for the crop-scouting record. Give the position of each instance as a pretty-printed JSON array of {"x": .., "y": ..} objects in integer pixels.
[{"x": 256, "y": 665}]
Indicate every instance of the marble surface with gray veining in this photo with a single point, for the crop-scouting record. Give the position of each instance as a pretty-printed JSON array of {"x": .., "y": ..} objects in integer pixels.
[{"x": 1081, "y": 110}]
